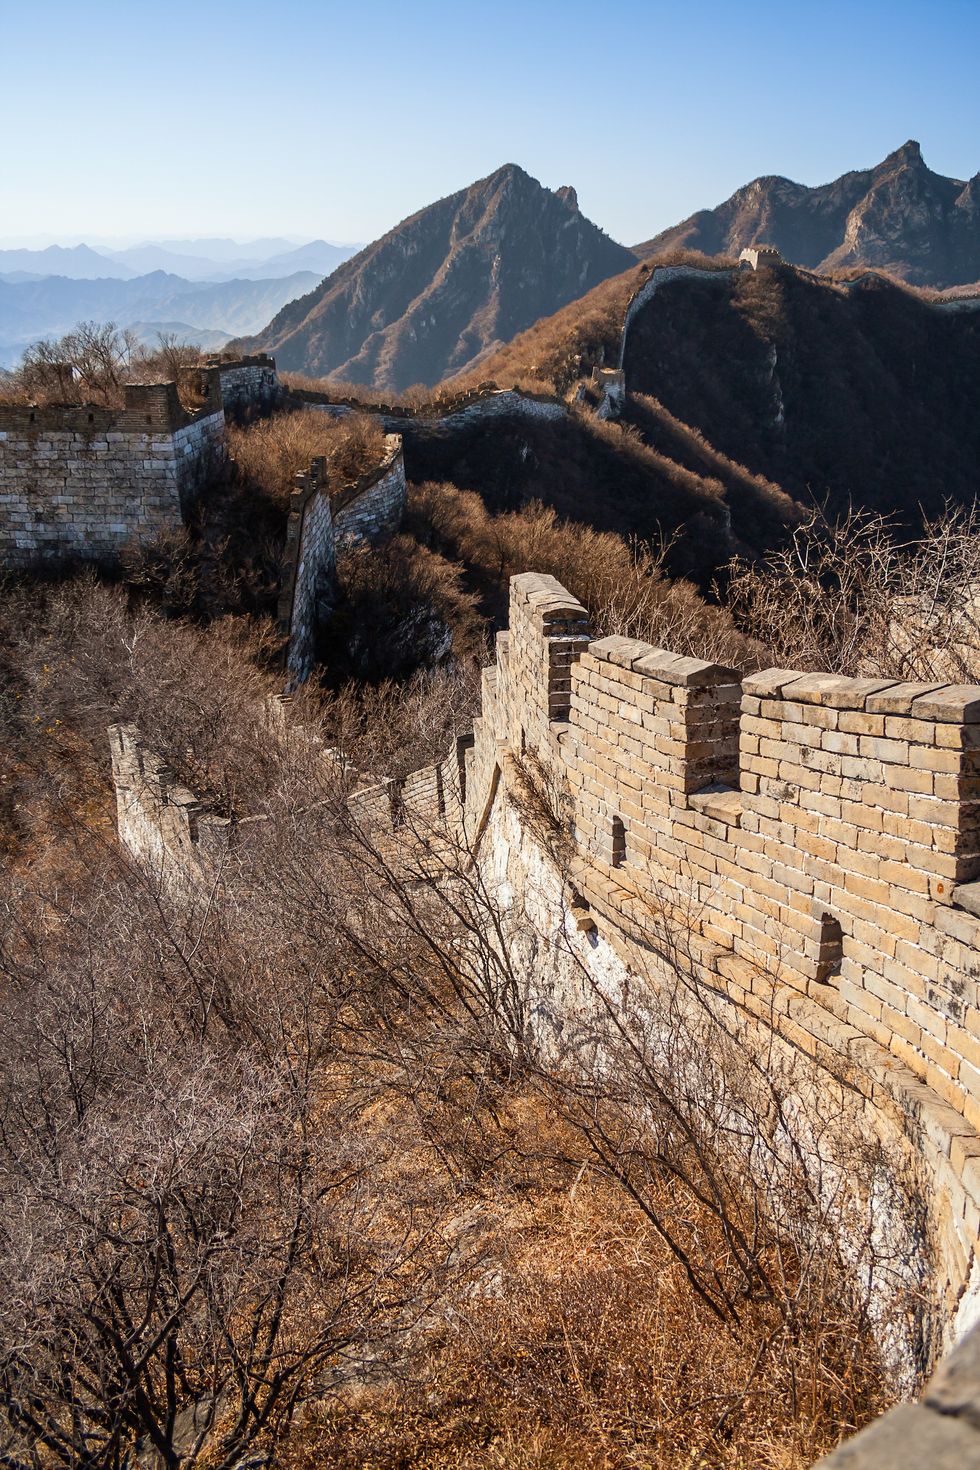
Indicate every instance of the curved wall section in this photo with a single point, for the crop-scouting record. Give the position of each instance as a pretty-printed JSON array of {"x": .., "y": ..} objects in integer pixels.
[{"x": 820, "y": 838}]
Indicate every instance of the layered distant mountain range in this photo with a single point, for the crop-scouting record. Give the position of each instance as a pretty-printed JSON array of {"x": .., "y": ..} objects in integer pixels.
[
  {"x": 206, "y": 291},
  {"x": 461, "y": 278},
  {"x": 193, "y": 260}
]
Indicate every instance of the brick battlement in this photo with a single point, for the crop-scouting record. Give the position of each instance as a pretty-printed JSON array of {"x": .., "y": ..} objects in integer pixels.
[
  {"x": 816, "y": 840},
  {"x": 826, "y": 830}
]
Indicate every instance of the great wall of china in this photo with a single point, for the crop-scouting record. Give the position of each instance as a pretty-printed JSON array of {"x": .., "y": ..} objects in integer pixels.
[
  {"x": 816, "y": 838},
  {"x": 817, "y": 841}
]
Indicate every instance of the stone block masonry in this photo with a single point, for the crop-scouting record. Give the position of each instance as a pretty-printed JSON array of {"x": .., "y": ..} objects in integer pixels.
[
  {"x": 163, "y": 824},
  {"x": 248, "y": 383},
  {"x": 84, "y": 481},
  {"x": 309, "y": 568},
  {"x": 374, "y": 507},
  {"x": 816, "y": 842}
]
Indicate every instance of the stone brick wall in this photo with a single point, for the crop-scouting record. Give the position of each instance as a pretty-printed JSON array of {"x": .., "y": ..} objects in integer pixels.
[
  {"x": 825, "y": 831},
  {"x": 163, "y": 824},
  {"x": 816, "y": 840},
  {"x": 371, "y": 509},
  {"x": 249, "y": 383},
  {"x": 86, "y": 481},
  {"x": 375, "y": 506},
  {"x": 309, "y": 571},
  {"x": 819, "y": 839},
  {"x": 475, "y": 407}
]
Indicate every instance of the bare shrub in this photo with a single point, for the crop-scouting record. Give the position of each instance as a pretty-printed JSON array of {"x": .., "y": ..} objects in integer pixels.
[
  {"x": 851, "y": 596},
  {"x": 271, "y": 452},
  {"x": 199, "y": 1223},
  {"x": 93, "y": 362},
  {"x": 403, "y": 605},
  {"x": 79, "y": 658},
  {"x": 624, "y": 585}
]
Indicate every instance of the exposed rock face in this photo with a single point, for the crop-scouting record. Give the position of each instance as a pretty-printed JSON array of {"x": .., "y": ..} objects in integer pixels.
[
  {"x": 436, "y": 292},
  {"x": 899, "y": 216}
]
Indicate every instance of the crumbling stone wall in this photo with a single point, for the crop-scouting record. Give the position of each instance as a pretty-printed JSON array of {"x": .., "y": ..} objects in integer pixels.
[
  {"x": 162, "y": 823},
  {"x": 309, "y": 571},
  {"x": 80, "y": 480},
  {"x": 662, "y": 275},
  {"x": 477, "y": 406},
  {"x": 375, "y": 506},
  {"x": 371, "y": 509},
  {"x": 84, "y": 481},
  {"x": 249, "y": 383}
]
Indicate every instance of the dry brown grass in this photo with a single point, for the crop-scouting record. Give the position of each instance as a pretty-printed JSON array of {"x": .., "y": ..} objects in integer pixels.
[
  {"x": 557, "y": 350},
  {"x": 271, "y": 452},
  {"x": 575, "y": 1339},
  {"x": 624, "y": 586}
]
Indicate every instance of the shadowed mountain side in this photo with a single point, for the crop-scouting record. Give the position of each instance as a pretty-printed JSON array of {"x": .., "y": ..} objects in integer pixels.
[
  {"x": 604, "y": 476},
  {"x": 863, "y": 395},
  {"x": 898, "y": 216},
  {"x": 439, "y": 290}
]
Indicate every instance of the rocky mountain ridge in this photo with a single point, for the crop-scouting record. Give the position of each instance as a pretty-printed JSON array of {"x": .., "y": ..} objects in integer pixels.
[
  {"x": 446, "y": 286},
  {"x": 899, "y": 216}
]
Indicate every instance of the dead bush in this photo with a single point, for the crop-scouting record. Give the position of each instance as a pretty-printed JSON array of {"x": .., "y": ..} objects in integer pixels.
[
  {"x": 271, "y": 452},
  {"x": 402, "y": 606},
  {"x": 854, "y": 596},
  {"x": 624, "y": 586},
  {"x": 93, "y": 363}
]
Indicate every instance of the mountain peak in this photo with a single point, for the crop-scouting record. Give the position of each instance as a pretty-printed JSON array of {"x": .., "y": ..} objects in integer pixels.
[
  {"x": 508, "y": 171},
  {"x": 434, "y": 294},
  {"x": 909, "y": 153},
  {"x": 898, "y": 216}
]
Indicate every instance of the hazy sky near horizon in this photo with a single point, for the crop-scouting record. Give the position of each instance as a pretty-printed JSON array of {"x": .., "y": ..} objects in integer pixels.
[{"x": 319, "y": 118}]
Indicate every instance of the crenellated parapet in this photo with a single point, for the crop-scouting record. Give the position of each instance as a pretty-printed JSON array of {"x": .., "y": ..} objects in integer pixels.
[{"x": 817, "y": 837}]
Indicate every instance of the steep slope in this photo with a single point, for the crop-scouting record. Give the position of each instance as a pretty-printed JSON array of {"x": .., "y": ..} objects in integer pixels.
[
  {"x": 899, "y": 216},
  {"x": 446, "y": 285},
  {"x": 750, "y": 397},
  {"x": 863, "y": 394}
]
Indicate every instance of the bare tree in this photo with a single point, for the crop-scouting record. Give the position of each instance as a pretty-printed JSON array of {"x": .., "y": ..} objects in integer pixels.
[
  {"x": 195, "y": 1233},
  {"x": 854, "y": 597}
]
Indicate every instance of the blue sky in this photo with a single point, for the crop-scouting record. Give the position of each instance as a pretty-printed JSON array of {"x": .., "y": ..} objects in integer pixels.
[{"x": 313, "y": 117}]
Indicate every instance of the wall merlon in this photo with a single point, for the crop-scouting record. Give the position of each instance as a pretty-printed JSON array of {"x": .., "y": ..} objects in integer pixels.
[{"x": 820, "y": 822}]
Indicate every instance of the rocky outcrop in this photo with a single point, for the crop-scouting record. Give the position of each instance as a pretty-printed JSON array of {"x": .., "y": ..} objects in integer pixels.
[
  {"x": 439, "y": 290},
  {"x": 898, "y": 216}
]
